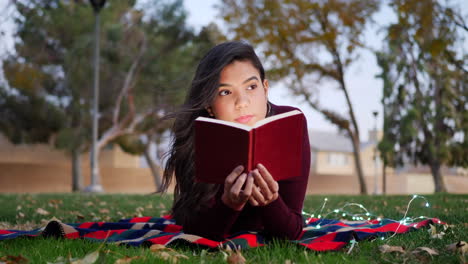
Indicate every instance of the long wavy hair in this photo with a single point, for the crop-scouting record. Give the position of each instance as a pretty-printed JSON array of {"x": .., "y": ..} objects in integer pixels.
[{"x": 191, "y": 196}]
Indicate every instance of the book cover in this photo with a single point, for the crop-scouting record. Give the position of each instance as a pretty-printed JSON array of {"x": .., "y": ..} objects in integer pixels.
[{"x": 275, "y": 142}]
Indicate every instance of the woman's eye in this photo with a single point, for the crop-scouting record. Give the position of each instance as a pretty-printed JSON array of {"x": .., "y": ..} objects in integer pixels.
[
  {"x": 224, "y": 92},
  {"x": 251, "y": 87}
]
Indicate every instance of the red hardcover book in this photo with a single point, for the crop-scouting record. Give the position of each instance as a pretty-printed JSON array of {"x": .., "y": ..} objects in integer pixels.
[{"x": 275, "y": 142}]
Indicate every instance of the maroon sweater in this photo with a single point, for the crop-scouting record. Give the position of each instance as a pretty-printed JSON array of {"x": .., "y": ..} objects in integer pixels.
[{"x": 281, "y": 218}]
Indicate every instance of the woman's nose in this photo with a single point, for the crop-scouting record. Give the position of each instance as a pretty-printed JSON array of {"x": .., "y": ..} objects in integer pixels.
[{"x": 242, "y": 101}]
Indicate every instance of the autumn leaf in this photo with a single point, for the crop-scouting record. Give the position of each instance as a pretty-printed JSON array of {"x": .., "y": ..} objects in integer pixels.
[
  {"x": 431, "y": 251},
  {"x": 167, "y": 254},
  {"x": 388, "y": 249},
  {"x": 236, "y": 258},
  {"x": 104, "y": 211},
  {"x": 126, "y": 259},
  {"x": 14, "y": 259},
  {"x": 42, "y": 211},
  {"x": 434, "y": 233},
  {"x": 460, "y": 247},
  {"x": 88, "y": 259},
  {"x": 157, "y": 247}
]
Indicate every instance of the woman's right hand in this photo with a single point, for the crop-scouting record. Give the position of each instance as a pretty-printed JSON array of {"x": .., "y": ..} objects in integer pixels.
[{"x": 233, "y": 195}]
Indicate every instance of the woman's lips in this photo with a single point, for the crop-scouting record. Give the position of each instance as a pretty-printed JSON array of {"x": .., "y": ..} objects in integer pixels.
[{"x": 244, "y": 119}]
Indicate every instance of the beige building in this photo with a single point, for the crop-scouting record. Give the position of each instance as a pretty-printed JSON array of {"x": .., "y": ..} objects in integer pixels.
[
  {"x": 333, "y": 169},
  {"x": 41, "y": 168}
]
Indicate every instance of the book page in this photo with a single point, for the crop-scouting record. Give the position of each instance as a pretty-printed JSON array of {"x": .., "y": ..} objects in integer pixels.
[
  {"x": 276, "y": 117},
  {"x": 223, "y": 122}
]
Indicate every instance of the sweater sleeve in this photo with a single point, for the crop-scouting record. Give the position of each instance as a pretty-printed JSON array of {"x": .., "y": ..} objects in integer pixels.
[{"x": 283, "y": 217}]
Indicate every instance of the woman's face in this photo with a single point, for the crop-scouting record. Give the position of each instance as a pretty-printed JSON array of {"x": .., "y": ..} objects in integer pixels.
[{"x": 241, "y": 95}]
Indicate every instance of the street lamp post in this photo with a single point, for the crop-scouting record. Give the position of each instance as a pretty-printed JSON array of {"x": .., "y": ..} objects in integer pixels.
[
  {"x": 95, "y": 185},
  {"x": 376, "y": 157}
]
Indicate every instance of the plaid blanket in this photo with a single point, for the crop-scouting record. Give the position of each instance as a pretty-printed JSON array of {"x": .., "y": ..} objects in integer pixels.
[{"x": 318, "y": 234}]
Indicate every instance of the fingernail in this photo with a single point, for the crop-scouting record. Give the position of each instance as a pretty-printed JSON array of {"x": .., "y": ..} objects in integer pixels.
[{"x": 260, "y": 166}]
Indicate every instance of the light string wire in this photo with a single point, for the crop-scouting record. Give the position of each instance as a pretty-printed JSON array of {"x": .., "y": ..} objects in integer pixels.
[{"x": 361, "y": 216}]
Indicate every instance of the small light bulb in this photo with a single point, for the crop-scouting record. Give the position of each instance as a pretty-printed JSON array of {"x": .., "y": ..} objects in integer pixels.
[
  {"x": 414, "y": 196},
  {"x": 343, "y": 214},
  {"x": 427, "y": 204},
  {"x": 326, "y": 199}
]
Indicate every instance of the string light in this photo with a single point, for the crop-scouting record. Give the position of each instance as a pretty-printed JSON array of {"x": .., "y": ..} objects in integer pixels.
[{"x": 366, "y": 214}]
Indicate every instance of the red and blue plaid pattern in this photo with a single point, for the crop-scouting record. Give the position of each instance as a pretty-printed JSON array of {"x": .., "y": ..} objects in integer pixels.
[{"x": 318, "y": 234}]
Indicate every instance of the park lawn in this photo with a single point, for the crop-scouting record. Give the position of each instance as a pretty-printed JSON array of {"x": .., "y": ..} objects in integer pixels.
[{"x": 28, "y": 211}]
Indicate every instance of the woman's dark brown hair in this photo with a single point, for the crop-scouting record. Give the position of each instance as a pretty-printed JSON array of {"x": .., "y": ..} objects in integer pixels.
[{"x": 189, "y": 195}]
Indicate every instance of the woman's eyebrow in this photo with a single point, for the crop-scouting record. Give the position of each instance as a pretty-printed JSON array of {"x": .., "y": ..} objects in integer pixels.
[{"x": 246, "y": 81}]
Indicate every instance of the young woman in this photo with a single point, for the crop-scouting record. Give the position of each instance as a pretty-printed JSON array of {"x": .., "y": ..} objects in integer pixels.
[{"x": 230, "y": 85}]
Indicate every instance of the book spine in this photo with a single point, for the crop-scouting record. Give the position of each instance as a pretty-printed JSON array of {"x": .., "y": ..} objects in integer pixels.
[{"x": 251, "y": 151}]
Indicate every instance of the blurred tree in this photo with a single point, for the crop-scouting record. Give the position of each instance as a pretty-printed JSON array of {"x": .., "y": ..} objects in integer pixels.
[
  {"x": 148, "y": 56},
  {"x": 424, "y": 71},
  {"x": 304, "y": 43}
]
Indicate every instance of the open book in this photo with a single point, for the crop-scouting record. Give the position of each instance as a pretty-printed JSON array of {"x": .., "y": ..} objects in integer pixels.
[{"x": 275, "y": 142}]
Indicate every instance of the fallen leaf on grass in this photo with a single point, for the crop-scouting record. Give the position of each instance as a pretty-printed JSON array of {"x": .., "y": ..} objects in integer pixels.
[
  {"x": 171, "y": 256},
  {"x": 236, "y": 258},
  {"x": 388, "y": 249},
  {"x": 42, "y": 211},
  {"x": 88, "y": 259},
  {"x": 55, "y": 203},
  {"x": 13, "y": 259},
  {"x": 157, "y": 247},
  {"x": 167, "y": 254},
  {"x": 434, "y": 233},
  {"x": 431, "y": 251},
  {"x": 104, "y": 211},
  {"x": 126, "y": 260},
  {"x": 459, "y": 247},
  {"x": 23, "y": 226}
]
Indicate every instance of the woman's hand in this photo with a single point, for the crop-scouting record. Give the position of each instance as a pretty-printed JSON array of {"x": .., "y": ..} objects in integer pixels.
[
  {"x": 265, "y": 190},
  {"x": 233, "y": 195}
]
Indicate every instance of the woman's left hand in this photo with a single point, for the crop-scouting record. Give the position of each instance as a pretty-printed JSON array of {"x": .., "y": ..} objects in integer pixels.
[{"x": 266, "y": 188}]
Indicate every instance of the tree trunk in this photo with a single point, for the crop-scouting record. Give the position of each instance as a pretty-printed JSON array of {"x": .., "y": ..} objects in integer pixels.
[
  {"x": 384, "y": 179},
  {"x": 438, "y": 180},
  {"x": 154, "y": 169},
  {"x": 357, "y": 163},
  {"x": 77, "y": 177}
]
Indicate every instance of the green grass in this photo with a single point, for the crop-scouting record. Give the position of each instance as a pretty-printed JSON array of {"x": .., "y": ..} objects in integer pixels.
[{"x": 20, "y": 211}]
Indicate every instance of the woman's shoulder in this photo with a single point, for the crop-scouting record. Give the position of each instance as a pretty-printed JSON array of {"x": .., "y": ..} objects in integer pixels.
[{"x": 279, "y": 109}]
